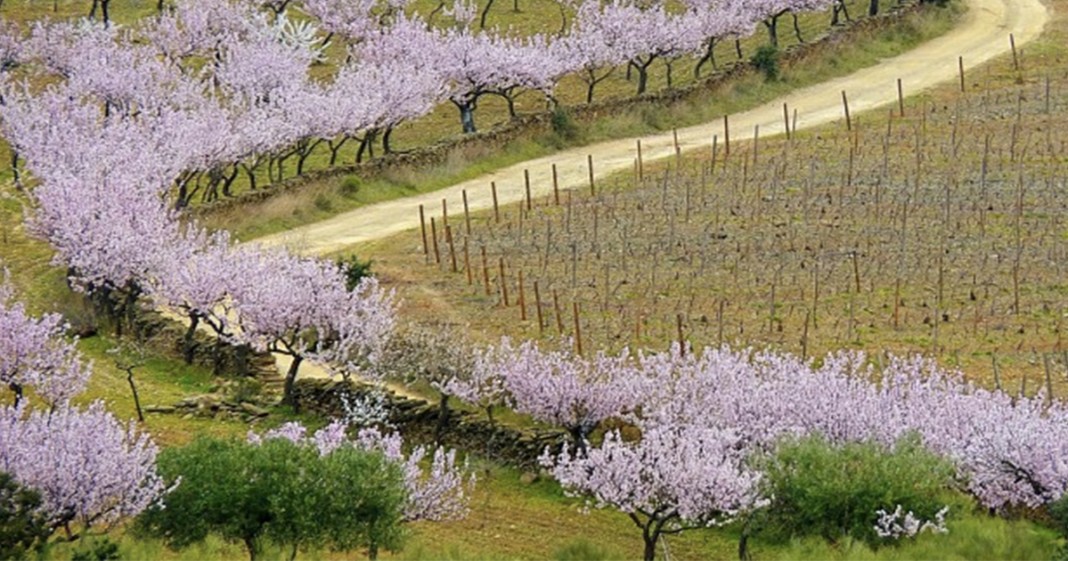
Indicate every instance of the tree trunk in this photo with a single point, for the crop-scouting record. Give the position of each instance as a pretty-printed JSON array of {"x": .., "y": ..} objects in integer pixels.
[
  {"x": 873, "y": 8},
  {"x": 387, "y": 148},
  {"x": 136, "y": 398},
  {"x": 643, "y": 73},
  {"x": 253, "y": 551},
  {"x": 467, "y": 117},
  {"x": 17, "y": 388},
  {"x": 270, "y": 170},
  {"x": 251, "y": 177},
  {"x": 217, "y": 357},
  {"x": 291, "y": 378},
  {"x": 743, "y": 540},
  {"x": 241, "y": 360},
  {"x": 129, "y": 307},
  {"x": 367, "y": 145},
  {"x": 335, "y": 147},
  {"x": 709, "y": 56},
  {"x": 281, "y": 167},
  {"x": 797, "y": 28},
  {"x": 650, "y": 548},
  {"x": 228, "y": 180},
  {"x": 189, "y": 341},
  {"x": 839, "y": 8},
  {"x": 592, "y": 80},
  {"x": 15, "y": 169},
  {"x": 302, "y": 156},
  {"x": 304, "y": 152},
  {"x": 104, "y": 12},
  {"x": 579, "y": 436},
  {"x": 772, "y": 24},
  {"x": 443, "y": 419},
  {"x": 485, "y": 12}
]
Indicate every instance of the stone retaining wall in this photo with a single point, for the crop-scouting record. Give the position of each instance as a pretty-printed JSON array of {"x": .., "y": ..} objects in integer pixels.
[{"x": 418, "y": 420}]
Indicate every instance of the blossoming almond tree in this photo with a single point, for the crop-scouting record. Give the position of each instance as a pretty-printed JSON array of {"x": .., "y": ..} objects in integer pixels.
[{"x": 673, "y": 479}]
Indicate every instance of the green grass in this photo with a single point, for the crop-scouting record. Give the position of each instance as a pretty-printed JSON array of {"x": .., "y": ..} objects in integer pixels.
[
  {"x": 971, "y": 537},
  {"x": 513, "y": 520}
]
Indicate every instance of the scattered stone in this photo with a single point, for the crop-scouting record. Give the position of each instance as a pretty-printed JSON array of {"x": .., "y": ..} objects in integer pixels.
[
  {"x": 165, "y": 409},
  {"x": 254, "y": 410},
  {"x": 528, "y": 478}
]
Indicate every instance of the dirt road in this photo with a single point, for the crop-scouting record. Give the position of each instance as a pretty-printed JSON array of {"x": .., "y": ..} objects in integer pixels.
[{"x": 981, "y": 35}]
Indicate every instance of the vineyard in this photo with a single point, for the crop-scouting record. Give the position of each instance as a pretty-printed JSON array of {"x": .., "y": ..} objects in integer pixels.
[
  {"x": 759, "y": 347},
  {"x": 934, "y": 228}
]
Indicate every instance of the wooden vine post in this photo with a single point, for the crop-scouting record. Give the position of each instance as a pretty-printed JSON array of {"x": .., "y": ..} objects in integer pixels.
[
  {"x": 434, "y": 237},
  {"x": 845, "y": 106},
  {"x": 467, "y": 214},
  {"x": 578, "y": 327},
  {"x": 422, "y": 227},
  {"x": 537, "y": 308},
  {"x": 496, "y": 210},
  {"x": 589, "y": 165}
]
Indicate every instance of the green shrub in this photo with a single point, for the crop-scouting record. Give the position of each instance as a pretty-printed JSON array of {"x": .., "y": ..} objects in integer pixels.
[
  {"x": 323, "y": 203},
  {"x": 1058, "y": 514},
  {"x": 278, "y": 493},
  {"x": 350, "y": 186},
  {"x": 22, "y": 526},
  {"x": 564, "y": 126},
  {"x": 766, "y": 60},
  {"x": 834, "y": 491},
  {"x": 355, "y": 270}
]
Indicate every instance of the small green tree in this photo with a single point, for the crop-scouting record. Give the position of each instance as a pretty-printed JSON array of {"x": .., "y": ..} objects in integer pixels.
[
  {"x": 766, "y": 60},
  {"x": 834, "y": 491},
  {"x": 355, "y": 270},
  {"x": 278, "y": 493},
  {"x": 23, "y": 526}
]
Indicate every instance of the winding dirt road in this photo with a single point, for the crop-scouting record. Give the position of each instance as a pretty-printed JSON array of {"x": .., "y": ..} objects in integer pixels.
[{"x": 982, "y": 34}]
